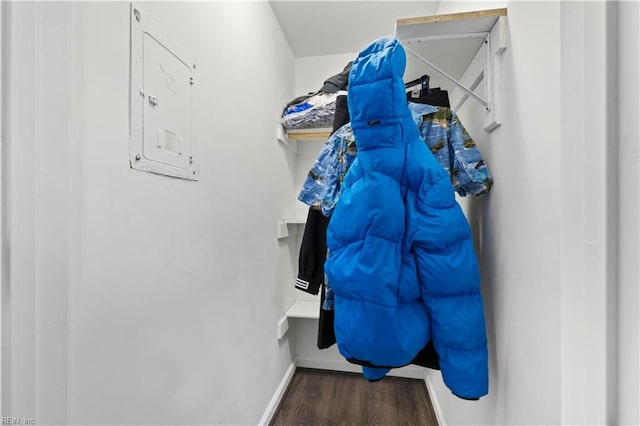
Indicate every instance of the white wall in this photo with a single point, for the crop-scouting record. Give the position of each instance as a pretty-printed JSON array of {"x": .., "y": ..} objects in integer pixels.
[
  {"x": 19, "y": 196},
  {"x": 457, "y": 6},
  {"x": 312, "y": 71},
  {"x": 519, "y": 222},
  {"x": 3, "y": 63},
  {"x": 629, "y": 177},
  {"x": 137, "y": 298},
  {"x": 591, "y": 229},
  {"x": 555, "y": 263}
]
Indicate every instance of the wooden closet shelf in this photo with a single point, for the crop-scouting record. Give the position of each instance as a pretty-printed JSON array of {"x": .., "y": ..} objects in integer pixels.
[
  {"x": 320, "y": 133},
  {"x": 451, "y": 25}
]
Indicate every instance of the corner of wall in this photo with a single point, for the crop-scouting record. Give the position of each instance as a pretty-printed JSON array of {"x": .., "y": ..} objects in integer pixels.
[
  {"x": 433, "y": 396},
  {"x": 270, "y": 411}
]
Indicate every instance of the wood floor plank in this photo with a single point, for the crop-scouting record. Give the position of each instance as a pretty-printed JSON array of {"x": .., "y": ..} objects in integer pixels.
[{"x": 319, "y": 397}]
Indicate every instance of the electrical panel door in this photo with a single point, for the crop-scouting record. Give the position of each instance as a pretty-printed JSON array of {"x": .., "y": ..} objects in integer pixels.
[{"x": 162, "y": 86}]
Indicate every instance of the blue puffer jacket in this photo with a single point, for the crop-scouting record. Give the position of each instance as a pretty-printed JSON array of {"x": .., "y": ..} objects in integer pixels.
[{"x": 402, "y": 263}]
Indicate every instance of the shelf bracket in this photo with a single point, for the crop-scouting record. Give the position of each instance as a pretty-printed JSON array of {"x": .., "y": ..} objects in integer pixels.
[
  {"x": 496, "y": 45},
  {"x": 282, "y": 328},
  {"x": 282, "y": 230},
  {"x": 282, "y": 138},
  {"x": 464, "y": 88},
  {"x": 490, "y": 73},
  {"x": 287, "y": 228}
]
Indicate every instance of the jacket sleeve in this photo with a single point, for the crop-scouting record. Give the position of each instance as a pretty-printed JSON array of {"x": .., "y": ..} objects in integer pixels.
[
  {"x": 313, "y": 253},
  {"x": 323, "y": 184},
  {"x": 450, "y": 283},
  {"x": 469, "y": 173},
  {"x": 319, "y": 180}
]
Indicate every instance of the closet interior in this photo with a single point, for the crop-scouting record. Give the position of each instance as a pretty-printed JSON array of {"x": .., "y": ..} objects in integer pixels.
[
  {"x": 152, "y": 228},
  {"x": 478, "y": 37},
  {"x": 434, "y": 77}
]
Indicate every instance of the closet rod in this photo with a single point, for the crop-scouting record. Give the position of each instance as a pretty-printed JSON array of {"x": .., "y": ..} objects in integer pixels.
[{"x": 451, "y": 79}]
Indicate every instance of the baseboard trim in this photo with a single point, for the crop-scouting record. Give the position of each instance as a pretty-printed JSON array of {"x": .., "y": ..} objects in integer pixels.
[
  {"x": 277, "y": 396},
  {"x": 434, "y": 399},
  {"x": 411, "y": 372}
]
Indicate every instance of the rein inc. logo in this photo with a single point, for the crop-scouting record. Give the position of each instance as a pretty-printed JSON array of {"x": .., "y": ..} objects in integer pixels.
[{"x": 18, "y": 421}]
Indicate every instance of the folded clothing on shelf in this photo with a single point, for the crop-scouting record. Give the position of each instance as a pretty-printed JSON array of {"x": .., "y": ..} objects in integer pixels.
[{"x": 313, "y": 112}]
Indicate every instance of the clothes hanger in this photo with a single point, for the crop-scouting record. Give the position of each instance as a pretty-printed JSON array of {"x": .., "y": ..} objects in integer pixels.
[
  {"x": 424, "y": 85},
  {"x": 423, "y": 79}
]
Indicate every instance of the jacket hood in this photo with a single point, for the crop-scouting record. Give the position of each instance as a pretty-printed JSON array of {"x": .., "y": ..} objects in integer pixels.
[{"x": 376, "y": 89}]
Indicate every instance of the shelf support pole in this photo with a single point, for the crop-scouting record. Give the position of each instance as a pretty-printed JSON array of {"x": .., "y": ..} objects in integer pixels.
[{"x": 496, "y": 45}]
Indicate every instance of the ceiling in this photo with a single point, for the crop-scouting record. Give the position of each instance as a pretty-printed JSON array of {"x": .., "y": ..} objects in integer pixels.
[{"x": 316, "y": 28}]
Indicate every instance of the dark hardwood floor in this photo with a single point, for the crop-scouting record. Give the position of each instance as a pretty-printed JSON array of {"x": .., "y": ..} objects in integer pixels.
[{"x": 318, "y": 397}]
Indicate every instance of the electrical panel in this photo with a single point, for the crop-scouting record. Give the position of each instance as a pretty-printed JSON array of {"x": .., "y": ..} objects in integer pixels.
[{"x": 162, "y": 88}]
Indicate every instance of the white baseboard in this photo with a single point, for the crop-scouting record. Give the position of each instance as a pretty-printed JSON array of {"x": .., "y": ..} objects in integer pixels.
[
  {"x": 434, "y": 399},
  {"x": 411, "y": 372},
  {"x": 277, "y": 397}
]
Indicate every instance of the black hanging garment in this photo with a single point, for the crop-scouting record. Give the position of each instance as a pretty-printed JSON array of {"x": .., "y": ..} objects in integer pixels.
[
  {"x": 313, "y": 252},
  {"x": 427, "y": 95},
  {"x": 326, "y": 335},
  {"x": 342, "y": 113},
  {"x": 337, "y": 82},
  {"x": 313, "y": 249}
]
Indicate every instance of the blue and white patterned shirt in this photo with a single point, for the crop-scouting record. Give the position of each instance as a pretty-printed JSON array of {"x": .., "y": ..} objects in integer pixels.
[
  {"x": 439, "y": 127},
  {"x": 321, "y": 188}
]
